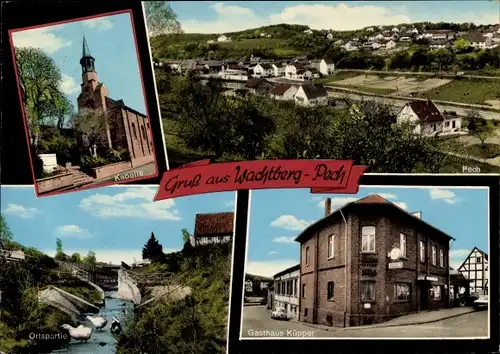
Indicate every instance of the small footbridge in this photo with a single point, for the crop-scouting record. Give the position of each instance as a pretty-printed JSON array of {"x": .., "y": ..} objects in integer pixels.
[
  {"x": 142, "y": 287},
  {"x": 104, "y": 276}
]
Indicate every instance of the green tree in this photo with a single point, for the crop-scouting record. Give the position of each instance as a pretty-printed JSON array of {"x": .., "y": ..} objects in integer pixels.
[
  {"x": 186, "y": 236},
  {"x": 5, "y": 232},
  {"x": 479, "y": 127},
  {"x": 252, "y": 127},
  {"x": 161, "y": 19},
  {"x": 44, "y": 102},
  {"x": 59, "y": 247},
  {"x": 444, "y": 58},
  {"x": 90, "y": 258},
  {"x": 76, "y": 258},
  {"x": 207, "y": 118},
  {"x": 460, "y": 45},
  {"x": 152, "y": 250}
]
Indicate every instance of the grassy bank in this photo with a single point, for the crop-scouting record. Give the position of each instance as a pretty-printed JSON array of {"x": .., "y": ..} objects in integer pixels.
[
  {"x": 485, "y": 151},
  {"x": 195, "y": 324},
  {"x": 84, "y": 291}
]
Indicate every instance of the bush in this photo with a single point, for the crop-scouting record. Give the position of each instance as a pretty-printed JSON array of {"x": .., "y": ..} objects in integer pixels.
[{"x": 117, "y": 155}]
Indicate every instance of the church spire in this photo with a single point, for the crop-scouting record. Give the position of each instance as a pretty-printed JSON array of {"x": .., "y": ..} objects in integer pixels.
[
  {"x": 87, "y": 61},
  {"x": 86, "y": 50}
]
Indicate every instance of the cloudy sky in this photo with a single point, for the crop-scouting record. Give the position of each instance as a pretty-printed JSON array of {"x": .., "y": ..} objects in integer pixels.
[
  {"x": 112, "y": 44},
  {"x": 114, "y": 222},
  {"x": 221, "y": 17},
  {"x": 278, "y": 216}
]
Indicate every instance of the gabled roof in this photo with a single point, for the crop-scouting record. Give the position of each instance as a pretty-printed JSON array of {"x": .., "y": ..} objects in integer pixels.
[
  {"x": 213, "y": 224},
  {"x": 440, "y": 42},
  {"x": 111, "y": 101},
  {"x": 475, "y": 37},
  {"x": 253, "y": 83},
  {"x": 373, "y": 199},
  {"x": 313, "y": 91},
  {"x": 266, "y": 66},
  {"x": 484, "y": 254},
  {"x": 329, "y": 61},
  {"x": 280, "y": 89},
  {"x": 426, "y": 111}
]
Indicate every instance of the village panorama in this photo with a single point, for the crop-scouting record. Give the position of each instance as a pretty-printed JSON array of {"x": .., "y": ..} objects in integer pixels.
[{"x": 290, "y": 91}]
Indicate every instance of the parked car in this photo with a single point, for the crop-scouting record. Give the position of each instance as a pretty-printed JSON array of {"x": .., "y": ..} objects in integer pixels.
[
  {"x": 481, "y": 303},
  {"x": 279, "y": 314}
]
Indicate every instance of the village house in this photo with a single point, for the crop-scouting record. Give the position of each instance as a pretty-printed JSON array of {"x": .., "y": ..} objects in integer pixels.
[
  {"x": 494, "y": 29},
  {"x": 428, "y": 120},
  {"x": 439, "y": 34},
  {"x": 297, "y": 72},
  {"x": 370, "y": 261},
  {"x": 329, "y": 36},
  {"x": 439, "y": 43},
  {"x": 263, "y": 70},
  {"x": 213, "y": 228},
  {"x": 475, "y": 269},
  {"x": 395, "y": 30},
  {"x": 412, "y": 32},
  {"x": 405, "y": 39},
  {"x": 350, "y": 47},
  {"x": 278, "y": 70},
  {"x": 283, "y": 92},
  {"x": 339, "y": 42},
  {"x": 311, "y": 95},
  {"x": 254, "y": 59},
  {"x": 477, "y": 40},
  {"x": 213, "y": 66},
  {"x": 324, "y": 66},
  {"x": 223, "y": 38},
  {"x": 308, "y": 31},
  {"x": 286, "y": 291},
  {"x": 390, "y": 44},
  {"x": 371, "y": 45},
  {"x": 259, "y": 86}
]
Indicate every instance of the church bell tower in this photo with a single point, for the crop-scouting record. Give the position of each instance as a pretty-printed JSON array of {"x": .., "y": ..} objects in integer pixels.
[{"x": 89, "y": 75}]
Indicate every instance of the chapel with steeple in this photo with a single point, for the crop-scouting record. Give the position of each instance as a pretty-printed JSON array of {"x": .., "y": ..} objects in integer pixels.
[{"x": 125, "y": 127}]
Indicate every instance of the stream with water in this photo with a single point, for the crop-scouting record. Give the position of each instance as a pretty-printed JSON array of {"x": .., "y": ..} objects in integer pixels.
[{"x": 102, "y": 341}]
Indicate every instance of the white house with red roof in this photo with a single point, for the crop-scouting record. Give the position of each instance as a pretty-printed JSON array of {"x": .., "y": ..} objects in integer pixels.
[{"x": 428, "y": 119}]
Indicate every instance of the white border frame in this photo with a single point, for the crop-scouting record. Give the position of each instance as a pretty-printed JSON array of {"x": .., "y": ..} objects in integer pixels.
[{"x": 371, "y": 338}]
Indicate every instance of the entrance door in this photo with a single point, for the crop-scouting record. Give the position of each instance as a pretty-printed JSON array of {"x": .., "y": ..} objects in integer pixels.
[{"x": 424, "y": 296}]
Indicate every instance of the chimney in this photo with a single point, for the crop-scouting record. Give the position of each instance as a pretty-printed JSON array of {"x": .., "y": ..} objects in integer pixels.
[
  {"x": 328, "y": 206},
  {"x": 418, "y": 214}
]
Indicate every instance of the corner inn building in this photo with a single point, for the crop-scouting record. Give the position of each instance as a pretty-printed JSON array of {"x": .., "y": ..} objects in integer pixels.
[{"x": 351, "y": 272}]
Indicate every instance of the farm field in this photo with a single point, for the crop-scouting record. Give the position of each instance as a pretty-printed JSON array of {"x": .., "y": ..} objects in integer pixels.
[
  {"x": 278, "y": 46},
  {"x": 467, "y": 91},
  {"x": 395, "y": 85}
]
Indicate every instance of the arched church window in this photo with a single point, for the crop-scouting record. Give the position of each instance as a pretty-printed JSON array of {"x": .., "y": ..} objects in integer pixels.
[
  {"x": 143, "y": 130},
  {"x": 134, "y": 131}
]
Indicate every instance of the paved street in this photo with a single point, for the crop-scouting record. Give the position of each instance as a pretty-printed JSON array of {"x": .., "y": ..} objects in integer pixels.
[{"x": 258, "y": 323}]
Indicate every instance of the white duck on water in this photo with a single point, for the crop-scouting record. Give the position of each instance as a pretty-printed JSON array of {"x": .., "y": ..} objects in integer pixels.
[
  {"x": 98, "y": 321},
  {"x": 80, "y": 333}
]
